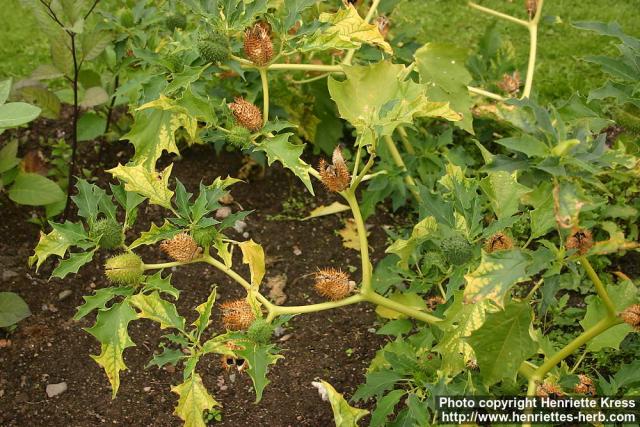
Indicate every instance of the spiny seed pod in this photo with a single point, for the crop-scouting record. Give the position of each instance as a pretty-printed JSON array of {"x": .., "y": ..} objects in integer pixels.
[
  {"x": 260, "y": 331},
  {"x": 548, "y": 389},
  {"x": 585, "y": 386},
  {"x": 125, "y": 269},
  {"x": 498, "y": 242},
  {"x": 239, "y": 136},
  {"x": 258, "y": 46},
  {"x": 182, "y": 248},
  {"x": 532, "y": 7},
  {"x": 384, "y": 25},
  {"x": 434, "y": 302},
  {"x": 204, "y": 236},
  {"x": 631, "y": 316},
  {"x": 246, "y": 114},
  {"x": 336, "y": 176},
  {"x": 510, "y": 83},
  {"x": 237, "y": 315},
  {"x": 581, "y": 240},
  {"x": 213, "y": 47},
  {"x": 177, "y": 20},
  {"x": 109, "y": 232},
  {"x": 457, "y": 250},
  {"x": 333, "y": 284}
]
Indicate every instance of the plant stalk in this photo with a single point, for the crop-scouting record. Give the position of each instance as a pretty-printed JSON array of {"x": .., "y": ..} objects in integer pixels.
[
  {"x": 397, "y": 158},
  {"x": 265, "y": 95},
  {"x": 351, "y": 199},
  {"x": 600, "y": 289}
]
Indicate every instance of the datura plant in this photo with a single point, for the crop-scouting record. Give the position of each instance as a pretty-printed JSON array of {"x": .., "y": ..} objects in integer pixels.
[{"x": 461, "y": 288}]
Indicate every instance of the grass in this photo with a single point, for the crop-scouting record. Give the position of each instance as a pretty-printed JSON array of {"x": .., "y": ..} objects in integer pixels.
[
  {"x": 22, "y": 45},
  {"x": 560, "y": 72}
]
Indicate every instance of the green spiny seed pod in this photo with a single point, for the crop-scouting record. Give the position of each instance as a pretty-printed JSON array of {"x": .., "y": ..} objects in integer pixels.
[
  {"x": 126, "y": 18},
  {"x": 239, "y": 136},
  {"x": 177, "y": 20},
  {"x": 260, "y": 331},
  {"x": 125, "y": 269},
  {"x": 204, "y": 237},
  {"x": 111, "y": 232},
  {"x": 213, "y": 47},
  {"x": 457, "y": 250}
]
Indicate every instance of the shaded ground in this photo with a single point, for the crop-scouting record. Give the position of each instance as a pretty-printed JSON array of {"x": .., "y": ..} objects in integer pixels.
[{"x": 49, "y": 347}]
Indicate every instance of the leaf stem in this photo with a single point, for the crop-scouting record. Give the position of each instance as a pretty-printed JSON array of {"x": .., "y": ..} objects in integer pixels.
[
  {"x": 265, "y": 95},
  {"x": 486, "y": 93},
  {"x": 600, "y": 289},
  {"x": 375, "y": 298},
  {"x": 279, "y": 310},
  {"x": 533, "y": 49},
  {"x": 397, "y": 158},
  {"x": 499, "y": 14}
]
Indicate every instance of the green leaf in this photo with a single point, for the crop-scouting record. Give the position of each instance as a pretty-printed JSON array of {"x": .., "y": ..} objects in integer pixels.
[
  {"x": 377, "y": 383},
  {"x": 42, "y": 98},
  {"x": 442, "y": 69},
  {"x": 193, "y": 401},
  {"x": 344, "y": 415},
  {"x": 155, "y": 234},
  {"x": 376, "y": 98},
  {"x": 504, "y": 192},
  {"x": 35, "y": 190},
  {"x": 204, "y": 313},
  {"x": 385, "y": 407},
  {"x": 526, "y": 144},
  {"x": 253, "y": 254},
  {"x": 99, "y": 300},
  {"x": 94, "y": 43},
  {"x": 88, "y": 199},
  {"x": 9, "y": 156},
  {"x": 154, "y": 308},
  {"x": 72, "y": 264},
  {"x": 157, "y": 283},
  {"x": 420, "y": 233},
  {"x": 90, "y": 126},
  {"x": 622, "y": 296},
  {"x": 154, "y": 131},
  {"x": 280, "y": 149},
  {"x": 259, "y": 356},
  {"x": 93, "y": 97},
  {"x": 5, "y": 90},
  {"x": 347, "y": 30},
  {"x": 504, "y": 342},
  {"x": 170, "y": 356},
  {"x": 57, "y": 242},
  {"x": 12, "y": 309},
  {"x": 17, "y": 113},
  {"x": 148, "y": 183},
  {"x": 460, "y": 321},
  {"x": 496, "y": 274},
  {"x": 111, "y": 330},
  {"x": 417, "y": 410}
]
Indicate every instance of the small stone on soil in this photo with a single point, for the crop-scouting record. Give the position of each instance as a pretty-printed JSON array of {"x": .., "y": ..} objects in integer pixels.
[
  {"x": 64, "y": 294},
  {"x": 240, "y": 226},
  {"x": 8, "y": 274},
  {"x": 223, "y": 212},
  {"x": 56, "y": 389}
]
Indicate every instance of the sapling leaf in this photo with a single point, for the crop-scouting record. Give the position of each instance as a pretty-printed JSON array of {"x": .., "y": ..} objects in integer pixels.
[
  {"x": 111, "y": 330},
  {"x": 259, "y": 356},
  {"x": 193, "y": 400},
  {"x": 503, "y": 342}
]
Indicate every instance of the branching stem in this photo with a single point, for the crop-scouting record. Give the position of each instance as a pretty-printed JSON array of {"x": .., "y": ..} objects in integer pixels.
[{"x": 600, "y": 289}]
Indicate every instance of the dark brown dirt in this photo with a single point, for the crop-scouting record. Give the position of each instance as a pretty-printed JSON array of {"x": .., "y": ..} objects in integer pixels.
[{"x": 49, "y": 347}]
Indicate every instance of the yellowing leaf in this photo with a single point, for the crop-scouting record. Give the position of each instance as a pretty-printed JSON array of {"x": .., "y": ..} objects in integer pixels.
[
  {"x": 344, "y": 414},
  {"x": 421, "y": 232},
  {"x": 280, "y": 149},
  {"x": 504, "y": 192},
  {"x": 153, "y": 307},
  {"x": 57, "y": 242},
  {"x": 333, "y": 208},
  {"x": 253, "y": 254},
  {"x": 349, "y": 235},
  {"x": 150, "y": 184},
  {"x": 154, "y": 132},
  {"x": 193, "y": 401},
  {"x": 347, "y": 31},
  {"x": 408, "y": 299}
]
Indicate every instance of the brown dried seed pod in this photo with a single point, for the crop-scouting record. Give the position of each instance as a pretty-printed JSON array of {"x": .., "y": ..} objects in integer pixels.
[
  {"x": 434, "y": 302},
  {"x": 547, "y": 389},
  {"x": 246, "y": 114},
  {"x": 511, "y": 83},
  {"x": 237, "y": 315},
  {"x": 333, "y": 284},
  {"x": 631, "y": 316},
  {"x": 258, "y": 46},
  {"x": 581, "y": 240},
  {"x": 472, "y": 364},
  {"x": 181, "y": 247},
  {"x": 384, "y": 25},
  {"x": 498, "y": 242},
  {"x": 335, "y": 176},
  {"x": 585, "y": 386},
  {"x": 532, "y": 7}
]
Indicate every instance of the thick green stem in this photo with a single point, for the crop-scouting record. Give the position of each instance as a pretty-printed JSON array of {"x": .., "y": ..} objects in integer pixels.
[
  {"x": 600, "y": 289},
  {"x": 486, "y": 93},
  {"x": 163, "y": 265},
  {"x": 265, "y": 95},
  {"x": 397, "y": 158},
  {"x": 351, "y": 199},
  {"x": 405, "y": 141},
  {"x": 531, "y": 68},
  {"x": 307, "y": 67},
  {"x": 279, "y": 310},
  {"x": 378, "y": 299}
]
